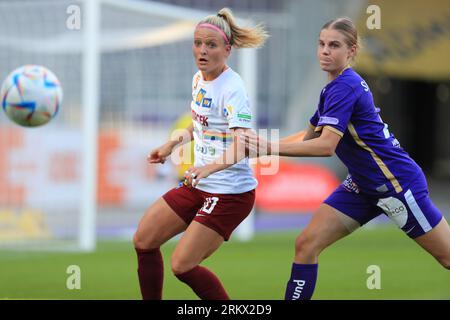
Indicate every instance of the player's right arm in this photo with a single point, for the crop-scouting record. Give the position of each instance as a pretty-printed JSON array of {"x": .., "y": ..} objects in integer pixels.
[{"x": 178, "y": 138}]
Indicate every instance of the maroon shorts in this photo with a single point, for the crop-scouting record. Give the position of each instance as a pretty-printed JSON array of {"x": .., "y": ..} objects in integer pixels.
[{"x": 219, "y": 212}]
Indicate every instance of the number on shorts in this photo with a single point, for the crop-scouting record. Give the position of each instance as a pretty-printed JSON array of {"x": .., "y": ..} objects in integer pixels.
[{"x": 209, "y": 205}]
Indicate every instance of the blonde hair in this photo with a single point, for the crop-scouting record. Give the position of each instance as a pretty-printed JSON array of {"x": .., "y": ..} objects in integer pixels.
[{"x": 238, "y": 37}]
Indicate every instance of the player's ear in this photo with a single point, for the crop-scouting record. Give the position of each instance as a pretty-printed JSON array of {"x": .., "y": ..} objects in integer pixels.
[
  {"x": 228, "y": 49},
  {"x": 352, "y": 51}
]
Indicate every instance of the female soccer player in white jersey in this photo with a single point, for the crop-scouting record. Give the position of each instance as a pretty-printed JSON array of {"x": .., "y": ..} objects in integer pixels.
[
  {"x": 219, "y": 192},
  {"x": 382, "y": 177}
]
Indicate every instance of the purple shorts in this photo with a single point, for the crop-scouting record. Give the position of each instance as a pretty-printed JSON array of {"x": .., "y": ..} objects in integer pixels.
[{"x": 411, "y": 210}]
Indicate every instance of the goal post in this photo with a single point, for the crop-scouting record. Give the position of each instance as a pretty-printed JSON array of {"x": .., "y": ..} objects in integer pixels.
[{"x": 91, "y": 79}]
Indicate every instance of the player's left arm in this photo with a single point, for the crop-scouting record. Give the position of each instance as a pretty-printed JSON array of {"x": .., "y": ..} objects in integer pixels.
[
  {"x": 233, "y": 154},
  {"x": 331, "y": 124},
  {"x": 322, "y": 146}
]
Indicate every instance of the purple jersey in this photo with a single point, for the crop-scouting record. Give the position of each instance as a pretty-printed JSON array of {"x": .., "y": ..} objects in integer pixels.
[{"x": 375, "y": 161}]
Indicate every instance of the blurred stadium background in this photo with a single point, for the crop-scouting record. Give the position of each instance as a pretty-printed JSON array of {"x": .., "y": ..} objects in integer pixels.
[{"x": 72, "y": 192}]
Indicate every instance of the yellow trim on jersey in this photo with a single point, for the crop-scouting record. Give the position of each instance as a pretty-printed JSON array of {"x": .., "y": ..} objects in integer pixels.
[
  {"x": 348, "y": 66},
  {"x": 334, "y": 130},
  {"x": 387, "y": 173},
  {"x": 318, "y": 129},
  {"x": 312, "y": 127}
]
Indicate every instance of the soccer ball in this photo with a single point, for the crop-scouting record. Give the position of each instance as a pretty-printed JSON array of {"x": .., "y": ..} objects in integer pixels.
[{"x": 31, "y": 95}]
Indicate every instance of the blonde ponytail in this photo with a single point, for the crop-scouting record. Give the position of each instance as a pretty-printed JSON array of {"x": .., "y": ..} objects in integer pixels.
[{"x": 238, "y": 37}]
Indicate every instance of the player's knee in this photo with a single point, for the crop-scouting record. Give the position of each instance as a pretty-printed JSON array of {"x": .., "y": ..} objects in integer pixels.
[
  {"x": 138, "y": 241},
  {"x": 145, "y": 241},
  {"x": 306, "y": 244},
  {"x": 180, "y": 264}
]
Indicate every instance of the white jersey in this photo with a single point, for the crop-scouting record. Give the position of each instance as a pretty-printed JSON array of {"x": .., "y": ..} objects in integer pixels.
[{"x": 218, "y": 106}]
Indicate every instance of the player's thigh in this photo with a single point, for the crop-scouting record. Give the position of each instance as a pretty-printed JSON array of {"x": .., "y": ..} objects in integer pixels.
[
  {"x": 341, "y": 213},
  {"x": 197, "y": 243},
  {"x": 437, "y": 242},
  {"x": 159, "y": 224},
  {"x": 327, "y": 225}
]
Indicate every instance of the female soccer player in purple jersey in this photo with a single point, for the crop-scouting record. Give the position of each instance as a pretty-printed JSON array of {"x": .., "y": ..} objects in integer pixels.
[
  {"x": 218, "y": 194},
  {"x": 382, "y": 177}
]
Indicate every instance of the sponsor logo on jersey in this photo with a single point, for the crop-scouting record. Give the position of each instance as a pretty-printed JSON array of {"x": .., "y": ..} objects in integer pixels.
[
  {"x": 228, "y": 111},
  {"x": 206, "y": 150},
  {"x": 328, "y": 120},
  {"x": 244, "y": 115},
  {"x": 203, "y": 120},
  {"x": 350, "y": 185},
  {"x": 196, "y": 80},
  {"x": 206, "y": 103},
  {"x": 200, "y": 95}
]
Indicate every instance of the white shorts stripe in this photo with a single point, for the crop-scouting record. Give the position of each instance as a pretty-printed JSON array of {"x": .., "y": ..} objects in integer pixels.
[{"x": 415, "y": 209}]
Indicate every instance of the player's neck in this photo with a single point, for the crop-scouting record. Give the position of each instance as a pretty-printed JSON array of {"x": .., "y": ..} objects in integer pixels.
[
  {"x": 336, "y": 73},
  {"x": 213, "y": 74}
]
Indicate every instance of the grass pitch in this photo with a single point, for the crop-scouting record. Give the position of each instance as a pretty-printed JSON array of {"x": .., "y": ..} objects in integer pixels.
[{"x": 258, "y": 269}]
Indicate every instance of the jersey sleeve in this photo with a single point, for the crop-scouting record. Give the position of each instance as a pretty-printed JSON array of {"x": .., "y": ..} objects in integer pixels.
[
  {"x": 337, "y": 110},
  {"x": 314, "y": 119},
  {"x": 237, "y": 109}
]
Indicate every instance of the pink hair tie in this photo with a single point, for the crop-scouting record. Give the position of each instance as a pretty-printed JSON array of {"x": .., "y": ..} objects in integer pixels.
[{"x": 211, "y": 26}]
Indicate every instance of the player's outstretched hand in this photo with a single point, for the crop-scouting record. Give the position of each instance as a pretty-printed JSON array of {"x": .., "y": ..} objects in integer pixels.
[
  {"x": 160, "y": 154},
  {"x": 193, "y": 175},
  {"x": 255, "y": 145}
]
